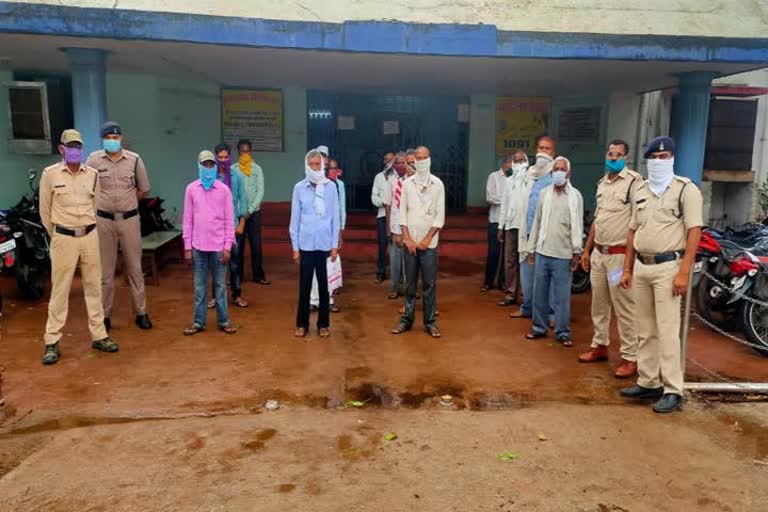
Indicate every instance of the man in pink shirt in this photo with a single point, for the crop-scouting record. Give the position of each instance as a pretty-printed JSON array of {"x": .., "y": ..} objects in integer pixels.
[{"x": 209, "y": 233}]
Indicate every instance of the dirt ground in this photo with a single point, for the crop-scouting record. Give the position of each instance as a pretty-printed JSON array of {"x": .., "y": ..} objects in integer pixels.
[{"x": 176, "y": 423}]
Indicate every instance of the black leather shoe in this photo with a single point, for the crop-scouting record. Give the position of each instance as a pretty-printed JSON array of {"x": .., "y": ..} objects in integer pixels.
[
  {"x": 642, "y": 393},
  {"x": 52, "y": 354},
  {"x": 107, "y": 324},
  {"x": 143, "y": 322},
  {"x": 668, "y": 403}
]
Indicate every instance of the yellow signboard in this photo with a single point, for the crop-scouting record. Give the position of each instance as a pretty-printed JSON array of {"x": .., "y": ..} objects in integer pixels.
[
  {"x": 518, "y": 122},
  {"x": 256, "y": 115}
]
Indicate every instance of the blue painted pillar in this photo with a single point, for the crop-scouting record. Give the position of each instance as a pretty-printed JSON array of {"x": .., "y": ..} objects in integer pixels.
[
  {"x": 689, "y": 118},
  {"x": 89, "y": 93}
]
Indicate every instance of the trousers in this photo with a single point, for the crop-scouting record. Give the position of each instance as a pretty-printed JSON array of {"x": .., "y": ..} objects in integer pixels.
[
  {"x": 424, "y": 262},
  {"x": 608, "y": 296},
  {"x": 66, "y": 253},
  {"x": 313, "y": 263},
  {"x": 493, "y": 274},
  {"x": 205, "y": 263},
  {"x": 381, "y": 239},
  {"x": 658, "y": 327},
  {"x": 511, "y": 262},
  {"x": 552, "y": 290},
  {"x": 125, "y": 233},
  {"x": 396, "y": 267}
]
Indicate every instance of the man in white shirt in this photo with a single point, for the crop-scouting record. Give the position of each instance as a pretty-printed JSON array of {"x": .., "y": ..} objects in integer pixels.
[
  {"x": 494, "y": 189},
  {"x": 422, "y": 215},
  {"x": 510, "y": 223},
  {"x": 392, "y": 201},
  {"x": 555, "y": 245},
  {"x": 377, "y": 198}
]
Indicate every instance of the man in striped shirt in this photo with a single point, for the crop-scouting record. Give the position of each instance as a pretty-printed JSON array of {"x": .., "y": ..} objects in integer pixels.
[{"x": 392, "y": 205}]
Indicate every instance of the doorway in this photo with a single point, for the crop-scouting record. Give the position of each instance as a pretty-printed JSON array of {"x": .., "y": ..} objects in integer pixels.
[{"x": 360, "y": 129}]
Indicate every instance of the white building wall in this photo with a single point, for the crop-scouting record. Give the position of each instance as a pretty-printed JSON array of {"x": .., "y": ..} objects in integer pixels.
[{"x": 706, "y": 18}]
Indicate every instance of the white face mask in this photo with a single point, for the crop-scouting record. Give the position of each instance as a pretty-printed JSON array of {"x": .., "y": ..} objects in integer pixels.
[
  {"x": 559, "y": 178},
  {"x": 543, "y": 160},
  {"x": 423, "y": 166},
  {"x": 518, "y": 168},
  {"x": 660, "y": 173},
  {"x": 315, "y": 177}
]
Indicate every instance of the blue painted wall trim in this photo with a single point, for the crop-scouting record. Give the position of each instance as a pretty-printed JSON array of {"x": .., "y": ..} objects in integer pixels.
[{"x": 371, "y": 36}]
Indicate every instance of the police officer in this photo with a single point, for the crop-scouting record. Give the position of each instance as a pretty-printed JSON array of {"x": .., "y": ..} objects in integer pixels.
[
  {"x": 604, "y": 256},
  {"x": 123, "y": 181},
  {"x": 68, "y": 192},
  {"x": 663, "y": 235}
]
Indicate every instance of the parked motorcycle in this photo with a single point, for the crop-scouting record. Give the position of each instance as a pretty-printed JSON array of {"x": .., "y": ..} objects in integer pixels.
[
  {"x": 740, "y": 274},
  {"x": 32, "y": 244},
  {"x": 581, "y": 282},
  {"x": 151, "y": 213},
  {"x": 7, "y": 249}
]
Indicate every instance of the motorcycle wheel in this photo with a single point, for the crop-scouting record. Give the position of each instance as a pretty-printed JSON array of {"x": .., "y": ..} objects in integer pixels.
[
  {"x": 30, "y": 282},
  {"x": 580, "y": 283},
  {"x": 755, "y": 320},
  {"x": 712, "y": 309}
]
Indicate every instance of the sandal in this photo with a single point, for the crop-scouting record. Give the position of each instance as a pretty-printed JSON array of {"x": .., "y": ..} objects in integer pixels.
[
  {"x": 518, "y": 314},
  {"x": 211, "y": 303},
  {"x": 333, "y": 308},
  {"x": 533, "y": 335},
  {"x": 433, "y": 331},
  {"x": 323, "y": 332},
  {"x": 264, "y": 282},
  {"x": 400, "y": 328},
  {"x": 566, "y": 342},
  {"x": 393, "y": 296},
  {"x": 193, "y": 329},
  {"x": 239, "y": 302},
  {"x": 228, "y": 329},
  {"x": 300, "y": 332}
]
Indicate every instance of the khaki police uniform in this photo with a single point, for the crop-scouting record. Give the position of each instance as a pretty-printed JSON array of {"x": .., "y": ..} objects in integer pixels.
[
  {"x": 68, "y": 212},
  {"x": 118, "y": 222},
  {"x": 661, "y": 225},
  {"x": 615, "y": 200}
]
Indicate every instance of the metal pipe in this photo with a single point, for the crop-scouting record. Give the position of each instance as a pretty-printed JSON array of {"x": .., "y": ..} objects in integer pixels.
[
  {"x": 684, "y": 325},
  {"x": 727, "y": 387}
]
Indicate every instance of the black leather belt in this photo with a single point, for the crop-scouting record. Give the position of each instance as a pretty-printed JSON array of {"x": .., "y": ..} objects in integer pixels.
[
  {"x": 663, "y": 257},
  {"x": 114, "y": 215},
  {"x": 77, "y": 232}
]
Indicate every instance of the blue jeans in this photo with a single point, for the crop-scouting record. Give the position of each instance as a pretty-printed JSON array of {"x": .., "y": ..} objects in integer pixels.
[
  {"x": 396, "y": 268},
  {"x": 526, "y": 286},
  {"x": 426, "y": 263},
  {"x": 205, "y": 262},
  {"x": 552, "y": 286},
  {"x": 527, "y": 282}
]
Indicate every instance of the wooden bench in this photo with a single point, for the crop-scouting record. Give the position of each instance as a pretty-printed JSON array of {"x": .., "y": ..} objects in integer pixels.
[{"x": 153, "y": 249}]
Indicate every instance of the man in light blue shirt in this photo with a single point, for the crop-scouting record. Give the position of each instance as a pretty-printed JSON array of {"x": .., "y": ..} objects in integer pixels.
[
  {"x": 234, "y": 180},
  {"x": 314, "y": 231},
  {"x": 537, "y": 179}
]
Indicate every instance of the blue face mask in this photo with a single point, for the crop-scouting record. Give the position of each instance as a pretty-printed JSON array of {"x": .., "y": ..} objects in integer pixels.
[
  {"x": 207, "y": 176},
  {"x": 111, "y": 146},
  {"x": 615, "y": 166}
]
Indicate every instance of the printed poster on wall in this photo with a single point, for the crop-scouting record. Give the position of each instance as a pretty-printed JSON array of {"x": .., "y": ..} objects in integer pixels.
[
  {"x": 518, "y": 122},
  {"x": 253, "y": 114}
]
